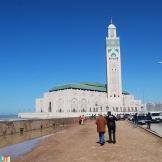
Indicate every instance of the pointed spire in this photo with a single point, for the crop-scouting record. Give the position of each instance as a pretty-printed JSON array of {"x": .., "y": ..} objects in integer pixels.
[{"x": 111, "y": 20}]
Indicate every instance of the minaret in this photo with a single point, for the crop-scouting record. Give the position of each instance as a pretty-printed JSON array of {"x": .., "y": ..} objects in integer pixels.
[{"x": 114, "y": 81}]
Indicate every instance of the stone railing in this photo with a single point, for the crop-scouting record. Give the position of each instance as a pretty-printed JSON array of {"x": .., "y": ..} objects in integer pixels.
[{"x": 25, "y": 125}]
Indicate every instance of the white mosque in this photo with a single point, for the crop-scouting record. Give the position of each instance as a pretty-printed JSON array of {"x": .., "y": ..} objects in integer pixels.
[{"x": 89, "y": 98}]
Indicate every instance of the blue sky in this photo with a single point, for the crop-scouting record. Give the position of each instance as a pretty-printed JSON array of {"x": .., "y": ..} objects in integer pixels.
[{"x": 44, "y": 43}]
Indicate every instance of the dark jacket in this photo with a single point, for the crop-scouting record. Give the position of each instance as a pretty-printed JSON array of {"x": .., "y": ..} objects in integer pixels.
[
  {"x": 135, "y": 117},
  {"x": 149, "y": 118},
  {"x": 111, "y": 120}
]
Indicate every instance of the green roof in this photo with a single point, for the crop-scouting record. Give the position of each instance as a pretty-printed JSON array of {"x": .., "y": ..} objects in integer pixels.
[{"x": 89, "y": 86}]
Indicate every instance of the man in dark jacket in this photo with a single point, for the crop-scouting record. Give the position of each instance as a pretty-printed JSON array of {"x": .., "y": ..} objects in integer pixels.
[
  {"x": 111, "y": 127},
  {"x": 149, "y": 119},
  {"x": 135, "y": 120}
]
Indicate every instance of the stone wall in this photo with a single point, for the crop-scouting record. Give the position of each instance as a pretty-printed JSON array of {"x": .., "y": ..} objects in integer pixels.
[{"x": 20, "y": 126}]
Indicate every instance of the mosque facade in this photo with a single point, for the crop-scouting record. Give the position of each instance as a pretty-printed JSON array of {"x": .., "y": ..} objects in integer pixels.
[{"x": 90, "y": 98}]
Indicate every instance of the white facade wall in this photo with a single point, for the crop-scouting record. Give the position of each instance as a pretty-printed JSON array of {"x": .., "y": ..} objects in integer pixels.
[
  {"x": 82, "y": 102},
  {"x": 39, "y": 105}
]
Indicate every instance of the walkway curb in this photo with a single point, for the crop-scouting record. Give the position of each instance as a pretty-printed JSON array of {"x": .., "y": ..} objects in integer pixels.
[{"x": 152, "y": 132}]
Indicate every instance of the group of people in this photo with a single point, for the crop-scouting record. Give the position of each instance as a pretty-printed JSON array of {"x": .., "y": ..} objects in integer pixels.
[
  {"x": 110, "y": 121},
  {"x": 101, "y": 123},
  {"x": 148, "y": 118},
  {"x": 81, "y": 119}
]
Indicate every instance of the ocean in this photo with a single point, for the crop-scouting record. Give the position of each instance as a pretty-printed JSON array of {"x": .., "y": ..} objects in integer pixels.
[{"x": 8, "y": 117}]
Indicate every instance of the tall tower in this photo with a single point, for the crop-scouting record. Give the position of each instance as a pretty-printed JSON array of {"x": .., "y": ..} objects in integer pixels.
[{"x": 114, "y": 81}]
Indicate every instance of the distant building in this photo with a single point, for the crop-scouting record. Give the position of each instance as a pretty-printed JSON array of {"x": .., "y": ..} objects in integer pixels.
[
  {"x": 154, "y": 107},
  {"x": 90, "y": 98}
]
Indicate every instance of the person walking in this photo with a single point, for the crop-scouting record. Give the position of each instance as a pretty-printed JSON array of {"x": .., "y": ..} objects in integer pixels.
[
  {"x": 101, "y": 123},
  {"x": 111, "y": 125},
  {"x": 80, "y": 120},
  {"x": 135, "y": 120},
  {"x": 83, "y": 118},
  {"x": 149, "y": 119}
]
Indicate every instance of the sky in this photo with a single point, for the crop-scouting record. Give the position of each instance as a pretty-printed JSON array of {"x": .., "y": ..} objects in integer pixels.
[{"x": 45, "y": 43}]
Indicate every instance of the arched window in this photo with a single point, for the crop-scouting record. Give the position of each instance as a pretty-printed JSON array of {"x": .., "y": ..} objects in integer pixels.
[
  {"x": 74, "y": 105},
  {"x": 84, "y": 105},
  {"x": 132, "y": 109},
  {"x": 50, "y": 107},
  {"x": 112, "y": 33},
  {"x": 60, "y": 105},
  {"x": 60, "y": 110},
  {"x": 90, "y": 109}
]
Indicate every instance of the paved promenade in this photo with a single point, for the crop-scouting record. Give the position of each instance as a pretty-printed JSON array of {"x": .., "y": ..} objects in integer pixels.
[{"x": 79, "y": 144}]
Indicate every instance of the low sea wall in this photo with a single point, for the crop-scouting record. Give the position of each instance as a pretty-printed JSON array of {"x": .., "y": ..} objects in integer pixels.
[{"x": 20, "y": 126}]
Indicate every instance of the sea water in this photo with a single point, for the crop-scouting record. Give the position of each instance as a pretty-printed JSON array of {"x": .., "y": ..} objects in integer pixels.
[{"x": 9, "y": 117}]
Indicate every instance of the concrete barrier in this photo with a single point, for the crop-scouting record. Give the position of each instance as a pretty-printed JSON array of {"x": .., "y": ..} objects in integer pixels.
[
  {"x": 151, "y": 131},
  {"x": 20, "y": 126}
]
